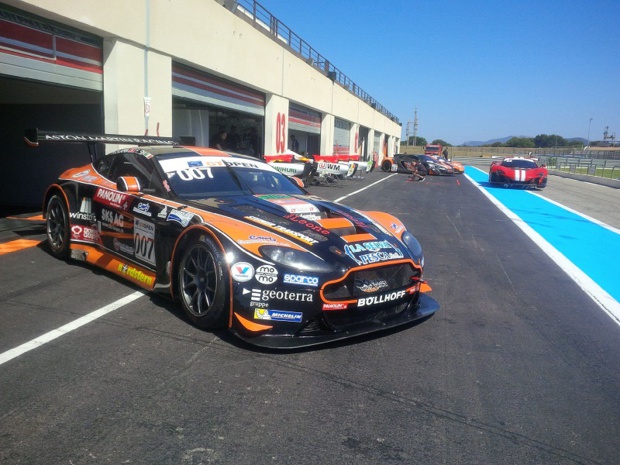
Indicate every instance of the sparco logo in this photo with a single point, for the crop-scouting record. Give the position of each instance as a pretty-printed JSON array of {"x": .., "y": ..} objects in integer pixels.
[
  {"x": 301, "y": 280},
  {"x": 380, "y": 299}
]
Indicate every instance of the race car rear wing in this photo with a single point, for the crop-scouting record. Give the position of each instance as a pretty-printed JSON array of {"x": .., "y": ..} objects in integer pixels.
[{"x": 34, "y": 137}]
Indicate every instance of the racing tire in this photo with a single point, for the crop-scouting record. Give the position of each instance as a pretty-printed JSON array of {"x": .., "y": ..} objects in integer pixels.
[
  {"x": 57, "y": 226},
  {"x": 202, "y": 282},
  {"x": 386, "y": 166}
]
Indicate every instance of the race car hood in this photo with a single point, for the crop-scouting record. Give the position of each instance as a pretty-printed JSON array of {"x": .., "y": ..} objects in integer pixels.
[{"x": 313, "y": 224}]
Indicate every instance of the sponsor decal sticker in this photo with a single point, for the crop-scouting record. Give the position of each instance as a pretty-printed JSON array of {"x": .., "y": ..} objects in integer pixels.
[
  {"x": 144, "y": 240},
  {"x": 242, "y": 272},
  {"x": 143, "y": 208},
  {"x": 301, "y": 280},
  {"x": 135, "y": 274},
  {"x": 266, "y": 274},
  {"x": 372, "y": 252},
  {"x": 112, "y": 198},
  {"x": 336, "y": 306},
  {"x": 302, "y": 237},
  {"x": 181, "y": 217},
  {"x": 381, "y": 299},
  {"x": 84, "y": 233},
  {"x": 264, "y": 295},
  {"x": 120, "y": 247},
  {"x": 277, "y": 315},
  {"x": 370, "y": 285}
]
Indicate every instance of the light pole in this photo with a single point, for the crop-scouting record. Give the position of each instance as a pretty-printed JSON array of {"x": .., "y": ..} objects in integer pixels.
[{"x": 589, "y": 125}]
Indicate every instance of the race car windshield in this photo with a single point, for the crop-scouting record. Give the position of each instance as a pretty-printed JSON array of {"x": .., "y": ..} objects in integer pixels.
[
  {"x": 195, "y": 178},
  {"x": 519, "y": 164}
]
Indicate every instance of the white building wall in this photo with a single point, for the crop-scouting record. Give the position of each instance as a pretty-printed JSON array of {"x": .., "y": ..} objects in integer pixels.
[{"x": 204, "y": 35}]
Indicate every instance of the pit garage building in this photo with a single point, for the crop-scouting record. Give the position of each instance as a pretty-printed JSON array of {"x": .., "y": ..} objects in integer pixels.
[{"x": 188, "y": 67}]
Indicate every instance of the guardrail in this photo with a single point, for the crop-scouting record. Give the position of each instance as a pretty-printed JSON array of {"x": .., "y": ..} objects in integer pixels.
[
  {"x": 604, "y": 168},
  {"x": 263, "y": 20}
]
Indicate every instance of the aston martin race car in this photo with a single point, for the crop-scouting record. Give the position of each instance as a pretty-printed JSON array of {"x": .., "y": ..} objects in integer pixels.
[
  {"x": 401, "y": 162},
  {"x": 518, "y": 172},
  {"x": 235, "y": 242}
]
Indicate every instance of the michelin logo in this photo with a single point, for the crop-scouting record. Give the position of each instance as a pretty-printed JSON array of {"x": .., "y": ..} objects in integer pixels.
[{"x": 277, "y": 315}]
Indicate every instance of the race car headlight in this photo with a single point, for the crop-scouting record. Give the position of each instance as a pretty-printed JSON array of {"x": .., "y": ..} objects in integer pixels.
[
  {"x": 414, "y": 247},
  {"x": 297, "y": 259}
]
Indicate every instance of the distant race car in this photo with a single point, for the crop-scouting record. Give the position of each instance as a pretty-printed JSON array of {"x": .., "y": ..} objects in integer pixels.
[
  {"x": 400, "y": 163},
  {"x": 313, "y": 169},
  {"x": 518, "y": 172},
  {"x": 235, "y": 242},
  {"x": 457, "y": 166}
]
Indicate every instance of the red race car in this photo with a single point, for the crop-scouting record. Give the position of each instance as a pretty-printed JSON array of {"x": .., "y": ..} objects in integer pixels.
[{"x": 518, "y": 172}]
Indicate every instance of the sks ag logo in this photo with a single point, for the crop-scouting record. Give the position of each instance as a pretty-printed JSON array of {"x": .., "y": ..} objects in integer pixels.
[{"x": 242, "y": 272}]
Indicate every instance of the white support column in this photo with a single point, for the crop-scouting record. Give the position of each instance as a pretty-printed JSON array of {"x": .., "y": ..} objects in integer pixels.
[
  {"x": 327, "y": 134},
  {"x": 276, "y": 122},
  {"x": 136, "y": 83}
]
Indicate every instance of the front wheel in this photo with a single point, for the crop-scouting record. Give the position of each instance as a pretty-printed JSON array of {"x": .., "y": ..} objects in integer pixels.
[
  {"x": 57, "y": 226},
  {"x": 386, "y": 166},
  {"x": 202, "y": 284}
]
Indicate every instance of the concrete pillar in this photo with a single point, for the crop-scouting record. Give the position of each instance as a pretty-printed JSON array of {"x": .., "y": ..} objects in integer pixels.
[
  {"x": 137, "y": 90},
  {"x": 276, "y": 124},
  {"x": 327, "y": 134}
]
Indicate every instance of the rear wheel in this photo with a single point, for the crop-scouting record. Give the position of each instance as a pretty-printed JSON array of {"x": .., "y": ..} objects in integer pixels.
[
  {"x": 57, "y": 226},
  {"x": 386, "y": 166},
  {"x": 202, "y": 284}
]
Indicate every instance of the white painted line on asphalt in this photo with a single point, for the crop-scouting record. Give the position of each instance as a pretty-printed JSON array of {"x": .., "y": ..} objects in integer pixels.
[
  {"x": 363, "y": 188},
  {"x": 47, "y": 337},
  {"x": 609, "y": 305}
]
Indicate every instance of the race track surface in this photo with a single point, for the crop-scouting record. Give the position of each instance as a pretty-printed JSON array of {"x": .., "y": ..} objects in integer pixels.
[{"x": 520, "y": 365}]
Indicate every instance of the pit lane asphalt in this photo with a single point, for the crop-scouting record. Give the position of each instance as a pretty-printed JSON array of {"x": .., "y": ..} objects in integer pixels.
[{"x": 518, "y": 367}]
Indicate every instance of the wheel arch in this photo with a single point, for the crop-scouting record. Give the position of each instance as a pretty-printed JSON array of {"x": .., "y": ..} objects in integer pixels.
[
  {"x": 185, "y": 239},
  {"x": 58, "y": 189}
]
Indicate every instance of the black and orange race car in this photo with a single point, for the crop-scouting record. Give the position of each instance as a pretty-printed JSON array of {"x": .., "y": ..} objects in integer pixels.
[
  {"x": 235, "y": 242},
  {"x": 518, "y": 172},
  {"x": 401, "y": 163}
]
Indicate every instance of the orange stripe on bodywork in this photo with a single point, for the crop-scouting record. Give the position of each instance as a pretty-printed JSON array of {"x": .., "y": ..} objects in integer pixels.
[
  {"x": 27, "y": 218},
  {"x": 17, "y": 245},
  {"x": 358, "y": 238},
  {"x": 334, "y": 223},
  {"x": 250, "y": 325},
  {"x": 126, "y": 270}
]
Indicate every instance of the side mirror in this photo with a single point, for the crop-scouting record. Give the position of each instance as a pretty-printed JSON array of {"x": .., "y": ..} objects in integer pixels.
[{"x": 128, "y": 184}]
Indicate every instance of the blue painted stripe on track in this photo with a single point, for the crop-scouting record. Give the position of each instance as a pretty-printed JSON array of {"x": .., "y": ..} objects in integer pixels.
[{"x": 591, "y": 247}]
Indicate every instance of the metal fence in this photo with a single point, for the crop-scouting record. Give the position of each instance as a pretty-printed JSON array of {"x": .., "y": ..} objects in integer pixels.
[
  {"x": 262, "y": 19},
  {"x": 606, "y": 168}
]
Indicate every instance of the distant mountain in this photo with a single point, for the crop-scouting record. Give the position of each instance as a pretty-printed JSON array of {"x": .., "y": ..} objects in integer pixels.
[
  {"x": 477, "y": 143},
  {"x": 503, "y": 140}
]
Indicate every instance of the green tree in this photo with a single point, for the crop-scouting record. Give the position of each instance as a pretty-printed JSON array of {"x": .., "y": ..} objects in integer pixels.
[
  {"x": 441, "y": 142},
  {"x": 521, "y": 142},
  {"x": 419, "y": 141},
  {"x": 552, "y": 140}
]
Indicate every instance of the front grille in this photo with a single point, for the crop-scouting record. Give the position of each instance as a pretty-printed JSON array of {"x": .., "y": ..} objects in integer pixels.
[{"x": 370, "y": 281}]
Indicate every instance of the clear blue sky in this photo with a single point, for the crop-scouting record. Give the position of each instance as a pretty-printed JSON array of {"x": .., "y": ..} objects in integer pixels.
[{"x": 475, "y": 70}]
